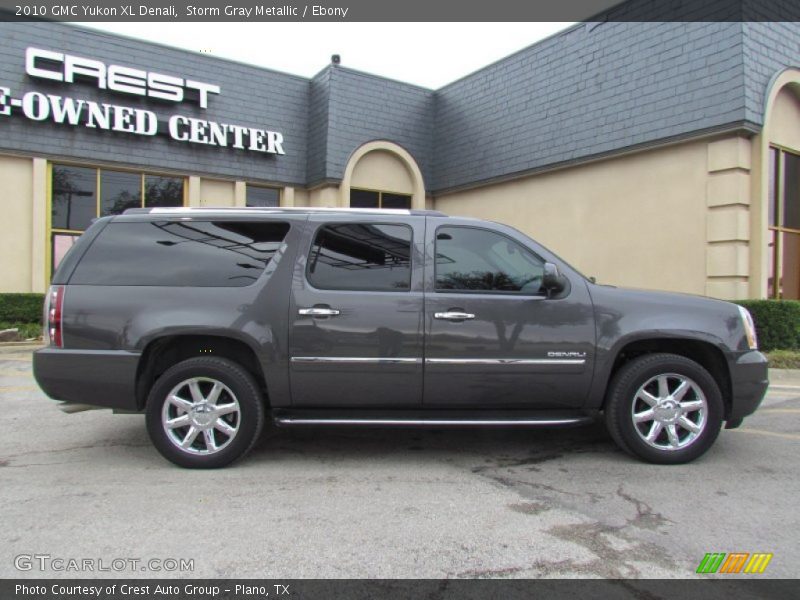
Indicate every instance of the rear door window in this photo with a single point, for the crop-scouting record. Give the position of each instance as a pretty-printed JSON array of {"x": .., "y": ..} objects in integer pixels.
[
  {"x": 361, "y": 256},
  {"x": 181, "y": 253}
]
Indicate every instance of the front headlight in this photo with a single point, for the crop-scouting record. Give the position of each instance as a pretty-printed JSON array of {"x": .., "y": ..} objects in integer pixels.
[{"x": 749, "y": 328}]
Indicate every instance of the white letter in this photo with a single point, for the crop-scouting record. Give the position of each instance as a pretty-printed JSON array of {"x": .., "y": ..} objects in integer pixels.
[
  {"x": 31, "y": 54},
  {"x": 198, "y": 131},
  {"x": 257, "y": 140},
  {"x": 122, "y": 116},
  {"x": 165, "y": 87},
  {"x": 275, "y": 142},
  {"x": 174, "y": 122},
  {"x": 68, "y": 110},
  {"x": 219, "y": 134},
  {"x": 237, "y": 136},
  {"x": 129, "y": 81},
  {"x": 75, "y": 65},
  {"x": 98, "y": 118},
  {"x": 35, "y": 106},
  {"x": 205, "y": 89},
  {"x": 146, "y": 122}
]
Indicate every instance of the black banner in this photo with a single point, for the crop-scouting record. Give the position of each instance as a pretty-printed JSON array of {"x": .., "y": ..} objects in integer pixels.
[
  {"x": 385, "y": 589},
  {"x": 405, "y": 10}
]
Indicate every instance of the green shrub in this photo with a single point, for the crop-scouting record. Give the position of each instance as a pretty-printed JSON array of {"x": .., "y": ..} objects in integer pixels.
[
  {"x": 21, "y": 308},
  {"x": 26, "y": 330},
  {"x": 777, "y": 323},
  {"x": 784, "y": 359}
]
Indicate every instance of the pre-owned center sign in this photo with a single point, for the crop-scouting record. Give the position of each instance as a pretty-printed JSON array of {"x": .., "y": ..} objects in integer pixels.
[{"x": 68, "y": 69}]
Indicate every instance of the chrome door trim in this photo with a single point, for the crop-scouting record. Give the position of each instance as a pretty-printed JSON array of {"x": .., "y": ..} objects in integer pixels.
[
  {"x": 505, "y": 361},
  {"x": 354, "y": 360}
]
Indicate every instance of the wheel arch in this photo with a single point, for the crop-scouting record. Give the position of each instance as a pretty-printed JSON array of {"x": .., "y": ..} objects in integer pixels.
[
  {"x": 704, "y": 352},
  {"x": 163, "y": 352}
]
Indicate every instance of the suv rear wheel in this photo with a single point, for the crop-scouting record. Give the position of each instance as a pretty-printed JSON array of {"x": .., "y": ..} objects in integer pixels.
[
  {"x": 664, "y": 408},
  {"x": 204, "y": 413}
]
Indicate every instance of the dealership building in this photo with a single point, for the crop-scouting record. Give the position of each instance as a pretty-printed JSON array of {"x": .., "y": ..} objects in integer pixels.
[{"x": 654, "y": 155}]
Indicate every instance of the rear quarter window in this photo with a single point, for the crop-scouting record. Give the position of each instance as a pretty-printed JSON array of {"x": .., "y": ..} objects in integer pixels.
[{"x": 181, "y": 253}]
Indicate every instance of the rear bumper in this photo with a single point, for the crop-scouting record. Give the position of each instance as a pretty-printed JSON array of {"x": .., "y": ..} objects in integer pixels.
[
  {"x": 749, "y": 379},
  {"x": 105, "y": 378}
]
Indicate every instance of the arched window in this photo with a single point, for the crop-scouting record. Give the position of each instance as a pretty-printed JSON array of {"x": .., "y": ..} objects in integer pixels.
[{"x": 784, "y": 224}]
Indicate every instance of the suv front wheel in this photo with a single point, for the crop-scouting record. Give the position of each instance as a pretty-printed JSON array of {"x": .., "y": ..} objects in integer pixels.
[
  {"x": 664, "y": 408},
  {"x": 204, "y": 413}
]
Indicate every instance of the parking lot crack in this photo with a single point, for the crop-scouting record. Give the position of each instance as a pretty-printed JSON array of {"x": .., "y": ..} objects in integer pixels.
[{"x": 645, "y": 517}]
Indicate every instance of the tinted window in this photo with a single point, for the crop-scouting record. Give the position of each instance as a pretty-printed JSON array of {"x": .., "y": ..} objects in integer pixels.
[
  {"x": 481, "y": 260},
  {"x": 356, "y": 256},
  {"x": 163, "y": 191},
  {"x": 395, "y": 200},
  {"x": 263, "y": 196},
  {"x": 791, "y": 191},
  {"x": 181, "y": 253},
  {"x": 74, "y": 197},
  {"x": 364, "y": 199},
  {"x": 119, "y": 191}
]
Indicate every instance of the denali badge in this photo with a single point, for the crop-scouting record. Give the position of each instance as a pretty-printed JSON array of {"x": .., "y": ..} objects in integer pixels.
[{"x": 566, "y": 355}]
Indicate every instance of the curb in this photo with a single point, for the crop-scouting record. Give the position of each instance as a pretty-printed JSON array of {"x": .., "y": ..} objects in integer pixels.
[
  {"x": 784, "y": 376},
  {"x": 18, "y": 347}
]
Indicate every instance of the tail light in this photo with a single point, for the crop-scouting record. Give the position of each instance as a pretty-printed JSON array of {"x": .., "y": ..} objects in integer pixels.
[{"x": 53, "y": 331}]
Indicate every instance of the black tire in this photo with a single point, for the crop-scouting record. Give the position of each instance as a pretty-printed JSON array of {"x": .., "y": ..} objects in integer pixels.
[
  {"x": 621, "y": 402},
  {"x": 237, "y": 386}
]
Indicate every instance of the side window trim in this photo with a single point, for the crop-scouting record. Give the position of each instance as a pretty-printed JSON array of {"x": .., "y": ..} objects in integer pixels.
[
  {"x": 312, "y": 243},
  {"x": 438, "y": 290}
]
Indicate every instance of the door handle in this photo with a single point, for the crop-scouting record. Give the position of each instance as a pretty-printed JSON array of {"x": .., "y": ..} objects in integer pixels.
[
  {"x": 453, "y": 316},
  {"x": 318, "y": 312}
]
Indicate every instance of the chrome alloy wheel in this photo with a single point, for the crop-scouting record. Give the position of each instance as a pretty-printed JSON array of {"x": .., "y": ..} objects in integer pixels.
[
  {"x": 669, "y": 411},
  {"x": 201, "y": 416}
]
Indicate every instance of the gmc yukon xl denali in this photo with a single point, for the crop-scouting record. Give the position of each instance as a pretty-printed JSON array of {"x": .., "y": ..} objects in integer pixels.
[{"x": 210, "y": 321}]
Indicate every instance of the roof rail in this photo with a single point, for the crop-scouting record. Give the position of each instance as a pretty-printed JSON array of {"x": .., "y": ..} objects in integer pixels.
[{"x": 183, "y": 210}]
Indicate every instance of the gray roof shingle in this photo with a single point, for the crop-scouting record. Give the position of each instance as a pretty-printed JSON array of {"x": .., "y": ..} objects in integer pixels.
[{"x": 589, "y": 91}]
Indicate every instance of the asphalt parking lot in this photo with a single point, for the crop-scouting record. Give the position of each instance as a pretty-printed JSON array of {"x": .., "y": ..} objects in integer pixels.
[{"x": 391, "y": 503}]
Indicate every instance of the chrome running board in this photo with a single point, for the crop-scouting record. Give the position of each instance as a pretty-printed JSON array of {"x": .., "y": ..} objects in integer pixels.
[
  {"x": 435, "y": 418},
  {"x": 430, "y": 422}
]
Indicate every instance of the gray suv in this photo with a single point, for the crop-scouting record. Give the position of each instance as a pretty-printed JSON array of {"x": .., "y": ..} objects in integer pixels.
[{"x": 209, "y": 321}]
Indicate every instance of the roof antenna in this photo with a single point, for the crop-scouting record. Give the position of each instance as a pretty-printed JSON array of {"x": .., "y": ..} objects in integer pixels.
[{"x": 336, "y": 59}]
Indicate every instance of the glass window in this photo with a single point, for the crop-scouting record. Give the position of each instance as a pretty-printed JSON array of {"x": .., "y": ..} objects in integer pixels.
[
  {"x": 62, "y": 242},
  {"x": 119, "y": 191},
  {"x": 790, "y": 273},
  {"x": 163, "y": 191},
  {"x": 181, "y": 253},
  {"x": 364, "y": 199},
  {"x": 783, "y": 278},
  {"x": 74, "y": 199},
  {"x": 791, "y": 191},
  {"x": 772, "y": 287},
  {"x": 395, "y": 201},
  {"x": 361, "y": 256},
  {"x": 773, "y": 187},
  {"x": 263, "y": 196},
  {"x": 373, "y": 199},
  {"x": 470, "y": 259}
]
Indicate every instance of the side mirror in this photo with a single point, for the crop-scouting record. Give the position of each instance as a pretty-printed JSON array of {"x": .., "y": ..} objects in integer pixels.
[{"x": 552, "y": 280}]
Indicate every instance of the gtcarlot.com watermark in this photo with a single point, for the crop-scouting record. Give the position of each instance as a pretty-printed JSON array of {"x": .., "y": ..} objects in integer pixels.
[{"x": 61, "y": 564}]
